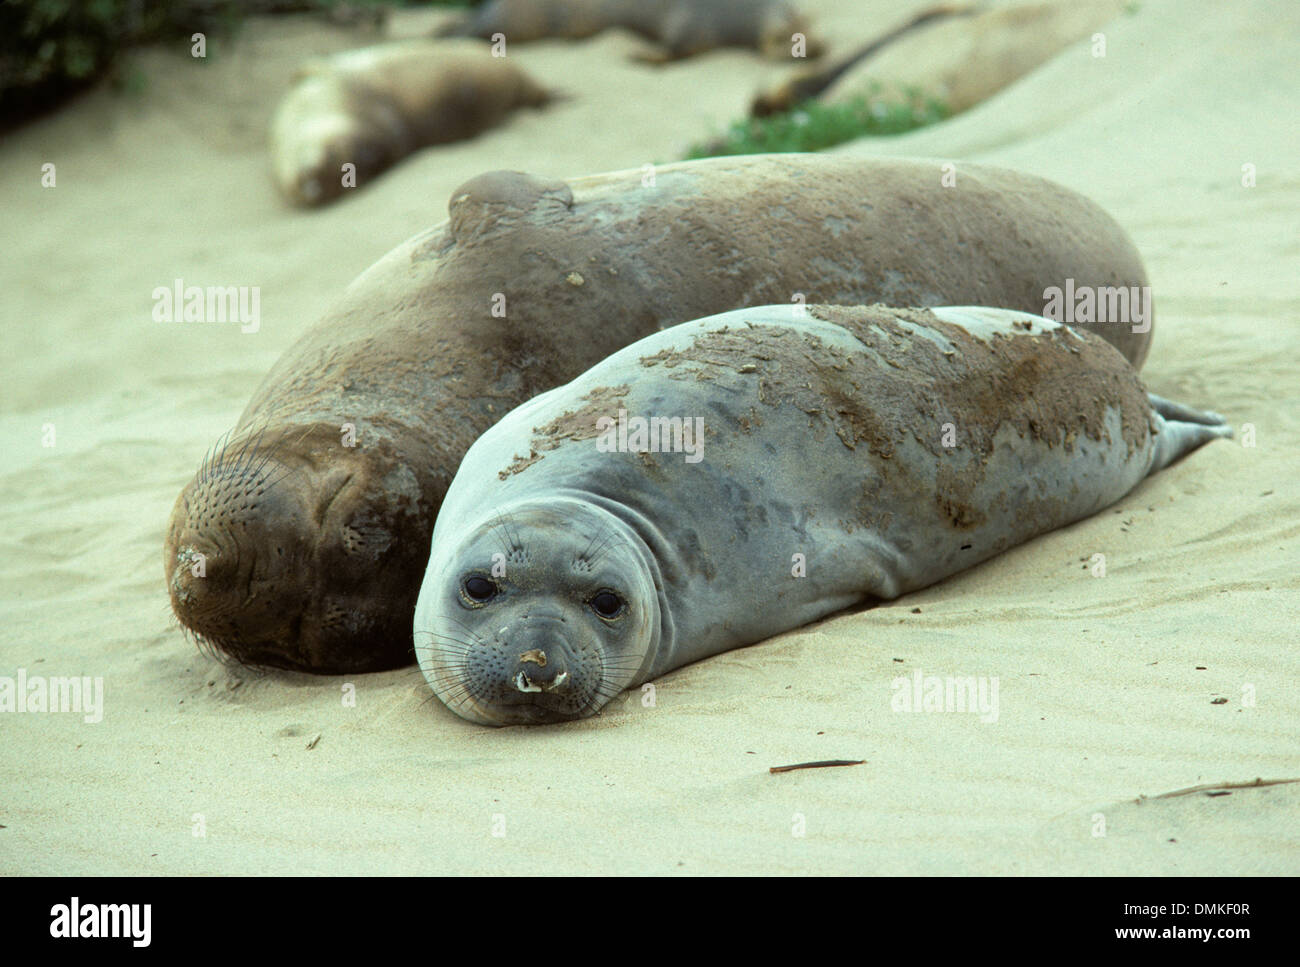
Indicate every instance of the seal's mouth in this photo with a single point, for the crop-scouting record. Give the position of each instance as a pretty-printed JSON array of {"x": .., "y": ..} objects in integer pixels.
[
  {"x": 508, "y": 681},
  {"x": 526, "y": 684}
]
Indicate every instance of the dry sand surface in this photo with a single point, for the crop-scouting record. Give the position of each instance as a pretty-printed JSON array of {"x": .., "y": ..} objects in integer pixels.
[{"x": 1107, "y": 685}]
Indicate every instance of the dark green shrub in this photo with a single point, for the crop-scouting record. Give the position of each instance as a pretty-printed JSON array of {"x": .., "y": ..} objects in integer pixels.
[{"x": 813, "y": 126}]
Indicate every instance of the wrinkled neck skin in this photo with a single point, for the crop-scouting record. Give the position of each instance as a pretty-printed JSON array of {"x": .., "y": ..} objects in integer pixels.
[{"x": 545, "y": 547}]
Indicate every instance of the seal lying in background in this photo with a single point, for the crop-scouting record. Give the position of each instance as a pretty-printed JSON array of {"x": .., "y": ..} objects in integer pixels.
[
  {"x": 374, "y": 106},
  {"x": 681, "y": 28},
  {"x": 736, "y": 477},
  {"x": 294, "y": 548},
  {"x": 956, "y": 54}
]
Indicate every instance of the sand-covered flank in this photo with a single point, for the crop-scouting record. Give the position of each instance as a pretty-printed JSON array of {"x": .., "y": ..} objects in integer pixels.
[{"x": 1109, "y": 687}]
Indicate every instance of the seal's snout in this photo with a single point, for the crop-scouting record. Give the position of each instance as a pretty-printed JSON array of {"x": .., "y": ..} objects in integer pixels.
[
  {"x": 234, "y": 544},
  {"x": 535, "y": 672},
  {"x": 283, "y": 551}
]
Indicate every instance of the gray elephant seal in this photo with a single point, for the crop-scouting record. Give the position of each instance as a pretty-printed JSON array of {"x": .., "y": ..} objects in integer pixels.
[
  {"x": 374, "y": 106},
  {"x": 302, "y": 540},
  {"x": 733, "y": 478},
  {"x": 680, "y": 28}
]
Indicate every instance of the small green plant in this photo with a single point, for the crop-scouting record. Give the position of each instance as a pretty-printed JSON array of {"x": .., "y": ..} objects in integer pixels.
[{"x": 814, "y": 126}]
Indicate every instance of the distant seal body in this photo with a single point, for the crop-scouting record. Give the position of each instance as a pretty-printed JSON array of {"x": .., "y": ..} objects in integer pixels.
[
  {"x": 374, "y": 106},
  {"x": 956, "y": 54},
  {"x": 782, "y": 469},
  {"x": 681, "y": 28},
  {"x": 302, "y": 540}
]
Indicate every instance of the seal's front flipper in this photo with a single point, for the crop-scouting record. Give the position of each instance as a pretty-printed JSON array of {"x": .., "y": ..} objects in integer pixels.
[{"x": 1181, "y": 429}]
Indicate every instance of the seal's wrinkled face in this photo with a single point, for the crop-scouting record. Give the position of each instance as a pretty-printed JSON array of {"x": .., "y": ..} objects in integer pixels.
[
  {"x": 539, "y": 616},
  {"x": 327, "y": 122},
  {"x": 316, "y": 173},
  {"x": 286, "y": 551}
]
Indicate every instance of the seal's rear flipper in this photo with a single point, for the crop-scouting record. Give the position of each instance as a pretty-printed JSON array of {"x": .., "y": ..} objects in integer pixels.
[
  {"x": 1181, "y": 429},
  {"x": 1176, "y": 411}
]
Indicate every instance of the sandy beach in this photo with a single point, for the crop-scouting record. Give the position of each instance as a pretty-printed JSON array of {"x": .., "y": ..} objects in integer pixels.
[{"x": 1177, "y": 668}]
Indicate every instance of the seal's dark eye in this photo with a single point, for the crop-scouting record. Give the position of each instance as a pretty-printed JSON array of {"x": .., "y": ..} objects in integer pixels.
[
  {"x": 607, "y": 604},
  {"x": 479, "y": 589}
]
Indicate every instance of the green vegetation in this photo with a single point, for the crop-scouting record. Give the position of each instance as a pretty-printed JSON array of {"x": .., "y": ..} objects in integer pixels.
[
  {"x": 50, "y": 49},
  {"x": 813, "y": 126}
]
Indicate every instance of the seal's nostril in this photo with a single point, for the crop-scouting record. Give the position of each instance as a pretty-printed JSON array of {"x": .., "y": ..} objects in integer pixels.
[{"x": 535, "y": 671}]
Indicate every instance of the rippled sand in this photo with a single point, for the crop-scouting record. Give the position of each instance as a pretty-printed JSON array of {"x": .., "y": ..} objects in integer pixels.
[{"x": 1107, "y": 685}]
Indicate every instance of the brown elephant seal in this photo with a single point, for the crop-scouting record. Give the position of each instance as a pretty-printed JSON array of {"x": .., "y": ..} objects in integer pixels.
[
  {"x": 679, "y": 28},
  {"x": 957, "y": 55},
  {"x": 729, "y": 479},
  {"x": 302, "y": 541},
  {"x": 374, "y": 106}
]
